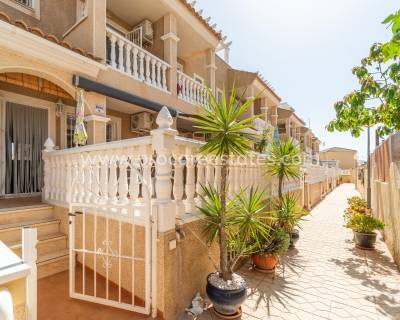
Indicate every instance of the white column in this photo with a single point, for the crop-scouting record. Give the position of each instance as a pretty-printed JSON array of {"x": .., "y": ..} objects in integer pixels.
[
  {"x": 163, "y": 141},
  {"x": 29, "y": 256}
]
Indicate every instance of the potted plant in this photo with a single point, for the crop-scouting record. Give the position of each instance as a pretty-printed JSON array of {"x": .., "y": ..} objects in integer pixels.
[
  {"x": 229, "y": 136},
  {"x": 357, "y": 205},
  {"x": 266, "y": 256},
  {"x": 284, "y": 162},
  {"x": 288, "y": 215},
  {"x": 363, "y": 227}
]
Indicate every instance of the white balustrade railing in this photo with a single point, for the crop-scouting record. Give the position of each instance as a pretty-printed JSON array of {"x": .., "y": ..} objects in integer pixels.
[
  {"x": 191, "y": 90},
  {"x": 136, "y": 36},
  {"x": 116, "y": 172},
  {"x": 127, "y": 57}
]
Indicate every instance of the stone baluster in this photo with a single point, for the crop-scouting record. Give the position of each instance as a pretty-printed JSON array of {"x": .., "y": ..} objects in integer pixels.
[
  {"x": 134, "y": 178},
  {"x": 232, "y": 177},
  {"x": 147, "y": 182},
  {"x": 123, "y": 179},
  {"x": 121, "y": 45},
  {"x": 200, "y": 176},
  {"x": 153, "y": 72},
  {"x": 128, "y": 50},
  {"x": 158, "y": 74},
  {"x": 217, "y": 174},
  {"x": 68, "y": 179},
  {"x": 141, "y": 65},
  {"x": 88, "y": 179},
  {"x": 191, "y": 89},
  {"x": 164, "y": 77},
  {"x": 190, "y": 187},
  {"x": 74, "y": 184},
  {"x": 104, "y": 178},
  {"x": 184, "y": 91},
  {"x": 178, "y": 187},
  {"x": 180, "y": 83},
  {"x": 135, "y": 52},
  {"x": 80, "y": 180},
  {"x": 57, "y": 175},
  {"x": 112, "y": 182},
  {"x": 113, "y": 57},
  {"x": 48, "y": 147},
  {"x": 95, "y": 179},
  {"x": 209, "y": 172},
  {"x": 147, "y": 69},
  {"x": 53, "y": 178}
]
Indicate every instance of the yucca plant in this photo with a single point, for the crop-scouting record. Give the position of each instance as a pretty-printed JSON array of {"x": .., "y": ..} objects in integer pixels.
[
  {"x": 284, "y": 162},
  {"x": 228, "y": 137},
  {"x": 264, "y": 140},
  {"x": 247, "y": 221},
  {"x": 288, "y": 213}
]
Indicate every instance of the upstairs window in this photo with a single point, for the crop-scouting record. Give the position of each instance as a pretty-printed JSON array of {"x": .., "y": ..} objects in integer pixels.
[
  {"x": 26, "y": 3},
  {"x": 29, "y": 7}
]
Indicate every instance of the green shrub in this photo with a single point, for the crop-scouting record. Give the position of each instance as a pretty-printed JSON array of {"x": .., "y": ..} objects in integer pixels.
[
  {"x": 277, "y": 243},
  {"x": 288, "y": 213},
  {"x": 364, "y": 223}
]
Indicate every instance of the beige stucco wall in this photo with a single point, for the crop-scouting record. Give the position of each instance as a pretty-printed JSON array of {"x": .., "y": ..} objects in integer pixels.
[
  {"x": 315, "y": 193},
  {"x": 56, "y": 16},
  {"x": 385, "y": 202},
  {"x": 347, "y": 159}
]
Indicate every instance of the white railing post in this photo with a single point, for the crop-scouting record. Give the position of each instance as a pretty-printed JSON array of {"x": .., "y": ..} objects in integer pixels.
[
  {"x": 163, "y": 141},
  {"x": 48, "y": 147},
  {"x": 29, "y": 256}
]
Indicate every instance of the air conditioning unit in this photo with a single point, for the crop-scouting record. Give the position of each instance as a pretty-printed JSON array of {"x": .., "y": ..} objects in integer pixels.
[
  {"x": 147, "y": 31},
  {"x": 141, "y": 122}
]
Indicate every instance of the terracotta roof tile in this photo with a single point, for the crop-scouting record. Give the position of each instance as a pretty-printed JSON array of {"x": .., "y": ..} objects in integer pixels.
[
  {"x": 4, "y": 16},
  {"x": 50, "y": 37},
  {"x": 198, "y": 16}
]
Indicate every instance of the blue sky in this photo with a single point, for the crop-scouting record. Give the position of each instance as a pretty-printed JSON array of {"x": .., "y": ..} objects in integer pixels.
[{"x": 305, "y": 49}]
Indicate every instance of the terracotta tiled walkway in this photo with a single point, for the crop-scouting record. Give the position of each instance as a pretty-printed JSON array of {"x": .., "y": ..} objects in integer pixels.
[{"x": 325, "y": 277}]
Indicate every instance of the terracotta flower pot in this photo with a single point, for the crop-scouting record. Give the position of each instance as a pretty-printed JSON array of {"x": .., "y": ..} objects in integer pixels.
[{"x": 265, "y": 262}]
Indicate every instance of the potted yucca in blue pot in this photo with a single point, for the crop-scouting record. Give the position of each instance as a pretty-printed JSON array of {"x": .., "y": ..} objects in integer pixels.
[{"x": 229, "y": 136}]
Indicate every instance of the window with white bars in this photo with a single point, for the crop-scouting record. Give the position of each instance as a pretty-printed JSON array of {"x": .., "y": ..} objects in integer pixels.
[
  {"x": 28, "y": 7},
  {"x": 26, "y": 3}
]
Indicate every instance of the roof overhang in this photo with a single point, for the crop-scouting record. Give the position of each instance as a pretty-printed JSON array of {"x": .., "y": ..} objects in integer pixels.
[
  {"x": 20, "y": 41},
  {"x": 181, "y": 8}
]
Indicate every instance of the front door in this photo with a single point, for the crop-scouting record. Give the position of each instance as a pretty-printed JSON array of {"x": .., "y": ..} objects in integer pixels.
[{"x": 25, "y": 131}]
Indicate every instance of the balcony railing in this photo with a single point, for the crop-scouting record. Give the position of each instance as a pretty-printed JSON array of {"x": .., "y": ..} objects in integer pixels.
[
  {"x": 191, "y": 90},
  {"x": 131, "y": 59}
]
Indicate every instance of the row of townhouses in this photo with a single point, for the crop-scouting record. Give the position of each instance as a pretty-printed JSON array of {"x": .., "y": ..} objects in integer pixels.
[{"x": 105, "y": 213}]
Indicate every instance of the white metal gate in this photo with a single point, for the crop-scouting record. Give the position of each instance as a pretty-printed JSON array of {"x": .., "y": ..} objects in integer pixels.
[{"x": 112, "y": 237}]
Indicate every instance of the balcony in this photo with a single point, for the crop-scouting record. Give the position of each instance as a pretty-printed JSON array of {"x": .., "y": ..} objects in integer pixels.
[
  {"x": 191, "y": 90},
  {"x": 129, "y": 58}
]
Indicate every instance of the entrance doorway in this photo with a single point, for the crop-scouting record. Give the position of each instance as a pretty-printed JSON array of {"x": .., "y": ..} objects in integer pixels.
[{"x": 24, "y": 131}]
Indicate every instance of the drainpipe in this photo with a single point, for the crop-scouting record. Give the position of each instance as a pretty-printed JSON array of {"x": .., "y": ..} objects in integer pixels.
[{"x": 369, "y": 170}]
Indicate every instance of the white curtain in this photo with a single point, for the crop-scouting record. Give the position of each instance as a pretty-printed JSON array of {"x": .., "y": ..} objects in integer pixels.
[
  {"x": 2, "y": 148},
  {"x": 25, "y": 134}
]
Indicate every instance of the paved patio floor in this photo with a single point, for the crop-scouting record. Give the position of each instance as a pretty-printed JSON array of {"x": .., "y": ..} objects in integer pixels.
[{"x": 325, "y": 277}]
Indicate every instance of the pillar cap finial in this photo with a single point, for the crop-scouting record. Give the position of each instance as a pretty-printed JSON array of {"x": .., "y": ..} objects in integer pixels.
[{"x": 164, "y": 119}]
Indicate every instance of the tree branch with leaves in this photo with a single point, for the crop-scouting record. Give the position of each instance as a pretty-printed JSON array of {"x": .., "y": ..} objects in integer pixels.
[{"x": 377, "y": 100}]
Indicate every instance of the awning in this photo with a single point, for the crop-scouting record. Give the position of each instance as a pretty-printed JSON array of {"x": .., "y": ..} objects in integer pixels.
[{"x": 90, "y": 85}]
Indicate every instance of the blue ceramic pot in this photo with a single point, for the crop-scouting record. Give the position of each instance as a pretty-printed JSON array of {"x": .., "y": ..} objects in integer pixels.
[{"x": 226, "y": 302}]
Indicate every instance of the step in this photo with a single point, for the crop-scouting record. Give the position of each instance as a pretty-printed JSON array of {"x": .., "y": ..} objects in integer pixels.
[
  {"x": 48, "y": 243},
  {"x": 52, "y": 263},
  {"x": 27, "y": 213},
  {"x": 11, "y": 233}
]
